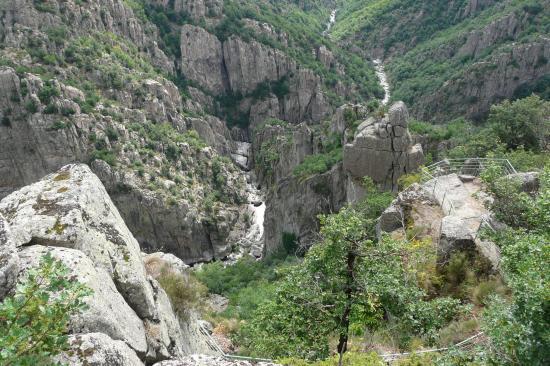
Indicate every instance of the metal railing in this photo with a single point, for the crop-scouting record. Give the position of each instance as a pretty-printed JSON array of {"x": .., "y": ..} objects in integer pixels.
[
  {"x": 214, "y": 346},
  {"x": 461, "y": 345},
  {"x": 463, "y": 166},
  {"x": 466, "y": 166}
]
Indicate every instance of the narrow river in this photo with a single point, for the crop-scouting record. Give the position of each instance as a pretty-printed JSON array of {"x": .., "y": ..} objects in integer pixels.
[
  {"x": 253, "y": 241},
  {"x": 331, "y": 22},
  {"x": 383, "y": 79}
]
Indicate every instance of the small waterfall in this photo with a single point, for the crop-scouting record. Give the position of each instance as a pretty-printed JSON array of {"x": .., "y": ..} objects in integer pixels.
[
  {"x": 383, "y": 78},
  {"x": 253, "y": 241},
  {"x": 331, "y": 22}
]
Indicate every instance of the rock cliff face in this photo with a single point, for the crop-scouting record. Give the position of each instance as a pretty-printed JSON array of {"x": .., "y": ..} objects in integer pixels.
[
  {"x": 488, "y": 82},
  {"x": 383, "y": 150},
  {"x": 21, "y": 21},
  {"x": 36, "y": 143},
  {"x": 238, "y": 67},
  {"x": 456, "y": 58},
  {"x": 294, "y": 205},
  {"x": 202, "y": 58},
  {"x": 70, "y": 215}
]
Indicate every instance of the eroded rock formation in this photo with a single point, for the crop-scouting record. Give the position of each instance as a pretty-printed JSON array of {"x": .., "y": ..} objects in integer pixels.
[
  {"x": 382, "y": 149},
  {"x": 70, "y": 215}
]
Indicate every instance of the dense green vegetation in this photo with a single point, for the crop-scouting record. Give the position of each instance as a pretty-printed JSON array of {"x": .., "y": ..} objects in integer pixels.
[
  {"x": 517, "y": 131},
  {"x": 318, "y": 163},
  {"x": 352, "y": 291},
  {"x": 425, "y": 40},
  {"x": 34, "y": 321}
]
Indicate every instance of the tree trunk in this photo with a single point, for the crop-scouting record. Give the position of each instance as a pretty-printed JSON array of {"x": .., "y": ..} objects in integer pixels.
[{"x": 344, "y": 321}]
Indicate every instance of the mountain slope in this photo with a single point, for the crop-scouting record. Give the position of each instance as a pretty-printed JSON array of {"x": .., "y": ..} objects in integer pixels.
[{"x": 448, "y": 59}]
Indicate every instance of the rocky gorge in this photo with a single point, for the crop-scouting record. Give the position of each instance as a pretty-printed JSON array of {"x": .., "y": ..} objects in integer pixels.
[{"x": 145, "y": 137}]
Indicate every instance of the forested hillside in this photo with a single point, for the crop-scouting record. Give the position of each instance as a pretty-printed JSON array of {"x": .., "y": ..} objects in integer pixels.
[{"x": 452, "y": 58}]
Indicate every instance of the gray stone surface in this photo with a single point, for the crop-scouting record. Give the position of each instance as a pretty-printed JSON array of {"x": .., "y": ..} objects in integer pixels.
[
  {"x": 98, "y": 349},
  {"x": 529, "y": 181},
  {"x": 202, "y": 360},
  {"x": 70, "y": 215},
  {"x": 71, "y": 208},
  {"x": 108, "y": 311},
  {"x": 202, "y": 58},
  {"x": 383, "y": 150}
]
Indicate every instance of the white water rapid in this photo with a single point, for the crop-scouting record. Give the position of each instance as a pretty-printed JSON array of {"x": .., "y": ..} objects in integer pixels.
[
  {"x": 383, "y": 78},
  {"x": 331, "y": 22},
  {"x": 253, "y": 241}
]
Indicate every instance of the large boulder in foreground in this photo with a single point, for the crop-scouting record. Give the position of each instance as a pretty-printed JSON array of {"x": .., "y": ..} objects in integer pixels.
[
  {"x": 98, "y": 349},
  {"x": 383, "y": 149},
  {"x": 72, "y": 209},
  {"x": 70, "y": 215}
]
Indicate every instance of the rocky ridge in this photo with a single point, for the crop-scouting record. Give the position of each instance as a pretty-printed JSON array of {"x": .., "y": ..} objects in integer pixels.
[
  {"x": 383, "y": 149},
  {"x": 130, "y": 317},
  {"x": 379, "y": 148}
]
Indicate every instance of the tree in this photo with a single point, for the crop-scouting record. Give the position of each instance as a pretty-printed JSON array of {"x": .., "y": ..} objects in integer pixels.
[
  {"x": 519, "y": 326},
  {"x": 347, "y": 280},
  {"x": 525, "y": 122},
  {"x": 332, "y": 286},
  {"x": 34, "y": 322}
]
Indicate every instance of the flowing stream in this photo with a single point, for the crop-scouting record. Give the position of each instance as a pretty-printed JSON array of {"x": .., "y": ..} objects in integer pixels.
[
  {"x": 331, "y": 22},
  {"x": 253, "y": 241},
  {"x": 383, "y": 78}
]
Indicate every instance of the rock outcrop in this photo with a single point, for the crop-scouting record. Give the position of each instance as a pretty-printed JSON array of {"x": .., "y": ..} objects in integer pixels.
[
  {"x": 70, "y": 215},
  {"x": 447, "y": 210},
  {"x": 238, "y": 68},
  {"x": 488, "y": 82},
  {"x": 201, "y": 360},
  {"x": 32, "y": 145},
  {"x": 98, "y": 349},
  {"x": 294, "y": 206},
  {"x": 202, "y": 58},
  {"x": 179, "y": 228},
  {"x": 22, "y": 23},
  {"x": 382, "y": 149}
]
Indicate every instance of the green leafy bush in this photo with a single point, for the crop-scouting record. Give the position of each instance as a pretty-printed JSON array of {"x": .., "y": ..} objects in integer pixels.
[
  {"x": 34, "y": 321},
  {"x": 48, "y": 91},
  {"x": 522, "y": 123},
  {"x": 59, "y": 125},
  {"x": 184, "y": 291},
  {"x": 317, "y": 164},
  {"x": 349, "y": 359},
  {"x": 106, "y": 155},
  {"x": 31, "y": 106}
]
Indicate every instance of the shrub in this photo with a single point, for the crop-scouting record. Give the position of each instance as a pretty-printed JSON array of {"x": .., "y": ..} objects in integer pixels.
[
  {"x": 349, "y": 359},
  {"x": 521, "y": 123},
  {"x": 50, "y": 109},
  {"x": 408, "y": 180},
  {"x": 107, "y": 156},
  {"x": 57, "y": 34},
  {"x": 185, "y": 291},
  {"x": 486, "y": 289},
  {"x": 34, "y": 322},
  {"x": 58, "y": 125},
  {"x": 6, "y": 121},
  {"x": 317, "y": 164},
  {"x": 67, "y": 111},
  {"x": 47, "y": 92},
  {"x": 111, "y": 133},
  {"x": 31, "y": 106},
  {"x": 44, "y": 6},
  {"x": 457, "y": 331}
]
